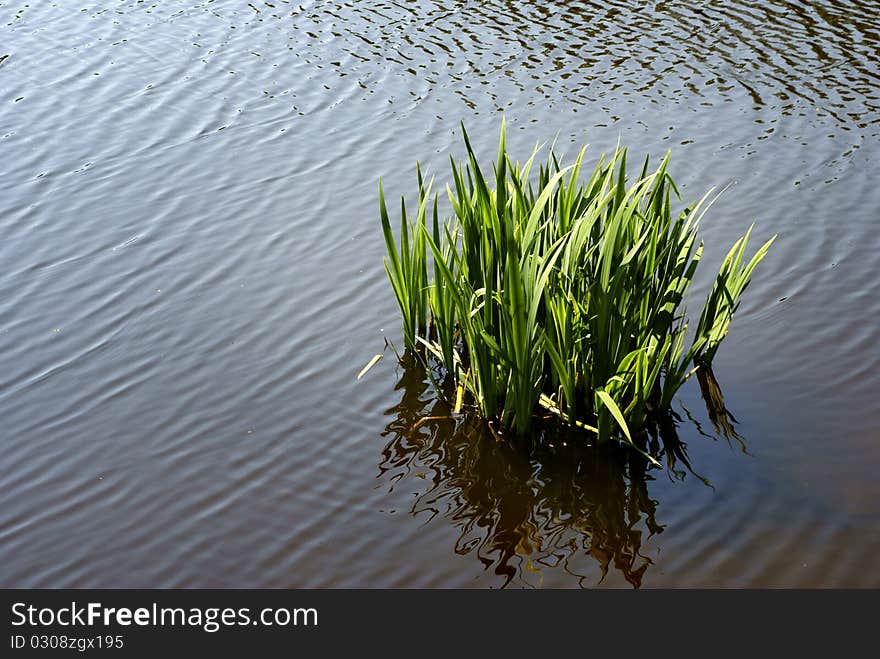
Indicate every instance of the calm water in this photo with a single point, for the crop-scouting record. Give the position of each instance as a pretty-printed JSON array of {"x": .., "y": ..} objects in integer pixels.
[{"x": 191, "y": 280}]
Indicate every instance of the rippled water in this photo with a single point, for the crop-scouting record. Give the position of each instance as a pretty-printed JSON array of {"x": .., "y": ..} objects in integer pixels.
[{"x": 191, "y": 279}]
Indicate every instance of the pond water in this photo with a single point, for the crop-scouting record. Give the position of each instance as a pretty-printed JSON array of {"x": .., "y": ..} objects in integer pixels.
[{"x": 192, "y": 279}]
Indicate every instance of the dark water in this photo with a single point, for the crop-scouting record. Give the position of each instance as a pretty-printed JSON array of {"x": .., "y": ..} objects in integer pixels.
[{"x": 191, "y": 280}]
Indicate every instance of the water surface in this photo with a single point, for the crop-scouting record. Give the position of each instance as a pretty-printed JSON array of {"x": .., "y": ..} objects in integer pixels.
[{"x": 191, "y": 279}]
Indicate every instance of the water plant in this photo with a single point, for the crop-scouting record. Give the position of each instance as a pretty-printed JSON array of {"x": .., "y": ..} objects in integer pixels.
[{"x": 557, "y": 293}]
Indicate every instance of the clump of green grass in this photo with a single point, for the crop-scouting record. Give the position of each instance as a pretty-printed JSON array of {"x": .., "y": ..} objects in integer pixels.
[{"x": 560, "y": 293}]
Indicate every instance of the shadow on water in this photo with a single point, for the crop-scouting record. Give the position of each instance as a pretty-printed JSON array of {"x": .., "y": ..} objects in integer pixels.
[{"x": 559, "y": 502}]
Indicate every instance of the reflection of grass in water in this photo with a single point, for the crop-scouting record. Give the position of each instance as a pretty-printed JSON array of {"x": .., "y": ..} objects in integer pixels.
[
  {"x": 722, "y": 418},
  {"x": 540, "y": 503}
]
